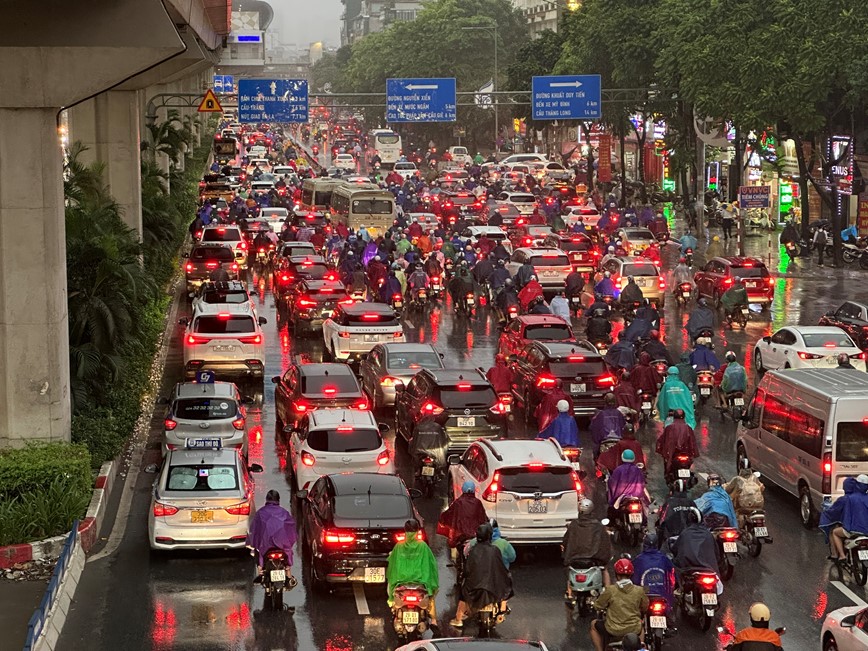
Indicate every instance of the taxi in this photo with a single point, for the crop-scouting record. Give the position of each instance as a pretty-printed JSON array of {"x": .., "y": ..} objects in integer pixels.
[
  {"x": 353, "y": 330},
  {"x": 202, "y": 499}
]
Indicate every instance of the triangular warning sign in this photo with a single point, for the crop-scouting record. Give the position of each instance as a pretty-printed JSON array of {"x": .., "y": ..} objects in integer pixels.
[{"x": 210, "y": 103}]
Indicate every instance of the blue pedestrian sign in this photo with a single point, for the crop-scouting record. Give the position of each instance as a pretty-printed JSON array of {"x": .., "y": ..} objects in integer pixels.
[
  {"x": 272, "y": 100},
  {"x": 224, "y": 84},
  {"x": 205, "y": 377},
  {"x": 420, "y": 100},
  {"x": 567, "y": 97}
]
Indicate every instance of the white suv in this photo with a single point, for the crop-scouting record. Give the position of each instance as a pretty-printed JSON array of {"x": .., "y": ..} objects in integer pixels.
[
  {"x": 529, "y": 487},
  {"x": 228, "y": 235},
  {"x": 352, "y": 330},
  {"x": 226, "y": 339}
]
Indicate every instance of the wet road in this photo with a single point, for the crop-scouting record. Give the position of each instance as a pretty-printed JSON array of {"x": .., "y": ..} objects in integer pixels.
[{"x": 134, "y": 599}]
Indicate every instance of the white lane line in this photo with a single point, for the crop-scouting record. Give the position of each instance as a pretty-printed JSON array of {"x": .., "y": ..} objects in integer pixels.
[
  {"x": 847, "y": 592},
  {"x": 361, "y": 600}
]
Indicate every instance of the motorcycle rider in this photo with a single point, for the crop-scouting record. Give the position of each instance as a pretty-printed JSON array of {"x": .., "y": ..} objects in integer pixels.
[
  {"x": 627, "y": 480},
  {"x": 654, "y": 571},
  {"x": 611, "y": 458},
  {"x": 734, "y": 298},
  {"x": 680, "y": 275},
  {"x": 674, "y": 516},
  {"x": 461, "y": 285},
  {"x": 649, "y": 312},
  {"x": 608, "y": 423},
  {"x": 391, "y": 286},
  {"x": 678, "y": 438},
  {"x": 412, "y": 561},
  {"x": 563, "y": 428},
  {"x": 498, "y": 277},
  {"x": 586, "y": 543},
  {"x": 460, "y": 521},
  {"x": 507, "y": 297},
  {"x": 687, "y": 241},
  {"x": 575, "y": 284},
  {"x": 531, "y": 291},
  {"x": 560, "y": 306},
  {"x": 716, "y": 505},
  {"x": 621, "y": 355},
  {"x": 701, "y": 318},
  {"x": 746, "y": 492},
  {"x": 625, "y": 604},
  {"x": 606, "y": 286},
  {"x": 645, "y": 377},
  {"x": 656, "y": 349},
  {"x": 631, "y": 293},
  {"x": 524, "y": 274},
  {"x": 674, "y": 394},
  {"x": 714, "y": 249},
  {"x": 416, "y": 281},
  {"x": 500, "y": 375},
  {"x": 846, "y": 516},
  {"x": 734, "y": 378},
  {"x": 695, "y": 547},
  {"x": 626, "y": 394},
  {"x": 844, "y": 361},
  {"x": 486, "y": 579},
  {"x": 272, "y": 527},
  {"x": 547, "y": 409},
  {"x": 757, "y": 637},
  {"x": 599, "y": 328},
  {"x": 507, "y": 551},
  {"x": 703, "y": 358}
]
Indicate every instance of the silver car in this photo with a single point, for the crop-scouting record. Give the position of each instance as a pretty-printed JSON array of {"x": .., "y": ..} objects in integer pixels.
[
  {"x": 388, "y": 364},
  {"x": 205, "y": 410}
]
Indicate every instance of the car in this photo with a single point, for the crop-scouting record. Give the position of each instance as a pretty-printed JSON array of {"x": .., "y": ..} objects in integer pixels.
[
  {"x": 583, "y": 254},
  {"x": 302, "y": 267},
  {"x": 845, "y": 629},
  {"x": 529, "y": 487},
  {"x": 352, "y": 330},
  {"x": 718, "y": 275},
  {"x": 427, "y": 220},
  {"x": 508, "y": 213},
  {"x": 494, "y": 233},
  {"x": 521, "y": 158},
  {"x": 230, "y": 235},
  {"x": 229, "y": 293},
  {"x": 345, "y": 162},
  {"x": 525, "y": 202},
  {"x": 202, "y": 498},
  {"x": 852, "y": 318},
  {"x": 262, "y": 163},
  {"x": 461, "y": 403},
  {"x": 290, "y": 249},
  {"x": 305, "y": 387},
  {"x": 406, "y": 169},
  {"x": 644, "y": 272},
  {"x": 205, "y": 259},
  {"x": 230, "y": 345},
  {"x": 196, "y": 409},
  {"x": 311, "y": 302},
  {"x": 472, "y": 644},
  {"x": 282, "y": 171},
  {"x": 530, "y": 235},
  {"x": 390, "y": 364},
  {"x": 556, "y": 172},
  {"x": 805, "y": 347},
  {"x": 581, "y": 369},
  {"x": 636, "y": 240},
  {"x": 349, "y": 524},
  {"x": 261, "y": 186},
  {"x": 552, "y": 266},
  {"x": 337, "y": 440},
  {"x": 526, "y": 328},
  {"x": 460, "y": 155},
  {"x": 590, "y": 216},
  {"x": 275, "y": 217},
  {"x": 458, "y": 203}
]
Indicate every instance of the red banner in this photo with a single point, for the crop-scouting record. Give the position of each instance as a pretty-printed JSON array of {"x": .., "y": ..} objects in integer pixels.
[
  {"x": 604, "y": 162},
  {"x": 862, "y": 214},
  {"x": 652, "y": 164}
]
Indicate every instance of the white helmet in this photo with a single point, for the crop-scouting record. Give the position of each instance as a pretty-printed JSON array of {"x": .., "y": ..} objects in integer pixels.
[{"x": 563, "y": 406}]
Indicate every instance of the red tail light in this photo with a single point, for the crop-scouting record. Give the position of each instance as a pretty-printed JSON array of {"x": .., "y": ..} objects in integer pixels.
[
  {"x": 255, "y": 339},
  {"x": 661, "y": 283},
  {"x": 707, "y": 580},
  {"x": 401, "y": 537},
  {"x": 826, "y": 486},
  {"x": 577, "y": 483},
  {"x": 189, "y": 266},
  {"x": 329, "y": 391},
  {"x": 432, "y": 409},
  {"x": 275, "y": 555},
  {"x": 242, "y": 245},
  {"x": 727, "y": 281},
  {"x": 302, "y": 407},
  {"x": 383, "y": 458},
  {"x": 606, "y": 380},
  {"x": 490, "y": 493},
  {"x": 410, "y": 598},
  {"x": 729, "y": 535},
  {"x": 239, "y": 509},
  {"x": 169, "y": 424},
  {"x": 362, "y": 405},
  {"x": 194, "y": 340},
  {"x": 335, "y": 537},
  {"x": 305, "y": 302},
  {"x": 658, "y": 607},
  {"x": 308, "y": 459},
  {"x": 803, "y": 355},
  {"x": 545, "y": 381},
  {"x": 162, "y": 510},
  {"x": 770, "y": 281},
  {"x": 238, "y": 423},
  {"x": 683, "y": 458},
  {"x": 634, "y": 507},
  {"x": 234, "y": 266}
]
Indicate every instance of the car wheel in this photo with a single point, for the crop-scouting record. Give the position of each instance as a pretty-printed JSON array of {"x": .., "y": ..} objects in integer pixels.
[
  {"x": 807, "y": 513},
  {"x": 829, "y": 644},
  {"x": 758, "y": 363}
]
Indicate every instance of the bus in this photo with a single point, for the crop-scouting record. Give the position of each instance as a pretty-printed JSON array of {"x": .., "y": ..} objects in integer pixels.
[
  {"x": 225, "y": 150},
  {"x": 387, "y": 144},
  {"x": 363, "y": 204},
  {"x": 316, "y": 194}
]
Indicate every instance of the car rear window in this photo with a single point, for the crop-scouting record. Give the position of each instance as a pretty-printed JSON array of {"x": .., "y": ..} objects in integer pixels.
[
  {"x": 828, "y": 340},
  {"x": 227, "y": 297},
  {"x": 852, "y": 442},
  {"x": 364, "y": 506},
  {"x": 571, "y": 369},
  {"x": 326, "y": 293},
  {"x": 411, "y": 360},
  {"x": 347, "y": 440},
  {"x": 634, "y": 269},
  {"x": 550, "y": 260},
  {"x": 532, "y": 480},
  {"x": 315, "y": 269},
  {"x": 289, "y": 251},
  {"x": 221, "y": 235},
  {"x": 205, "y": 408},
  {"x": 476, "y": 396},
  {"x": 547, "y": 332},
  {"x": 522, "y": 198},
  {"x": 372, "y": 318},
  {"x": 318, "y": 383},
  {"x": 467, "y": 200},
  {"x": 636, "y": 236},
  {"x": 220, "y": 253},
  {"x": 202, "y": 478},
  {"x": 750, "y": 272},
  {"x": 224, "y": 325}
]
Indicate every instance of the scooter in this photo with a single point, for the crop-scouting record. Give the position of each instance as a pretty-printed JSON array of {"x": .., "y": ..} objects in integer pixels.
[
  {"x": 698, "y": 599},
  {"x": 727, "y": 552},
  {"x": 735, "y": 406},
  {"x": 397, "y": 303},
  {"x": 688, "y": 257},
  {"x": 656, "y": 623},
  {"x": 630, "y": 522},
  {"x": 683, "y": 294},
  {"x": 856, "y": 561},
  {"x": 419, "y": 298},
  {"x": 435, "y": 287},
  {"x": 646, "y": 406},
  {"x": 754, "y": 532},
  {"x": 276, "y": 578},
  {"x": 705, "y": 384},
  {"x": 739, "y": 315},
  {"x": 682, "y": 469},
  {"x": 410, "y": 611},
  {"x": 586, "y": 584}
]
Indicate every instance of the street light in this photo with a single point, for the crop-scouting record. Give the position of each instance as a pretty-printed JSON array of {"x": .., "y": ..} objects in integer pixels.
[{"x": 492, "y": 28}]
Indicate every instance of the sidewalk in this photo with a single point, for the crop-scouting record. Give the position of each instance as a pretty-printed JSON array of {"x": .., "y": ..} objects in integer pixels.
[{"x": 19, "y": 599}]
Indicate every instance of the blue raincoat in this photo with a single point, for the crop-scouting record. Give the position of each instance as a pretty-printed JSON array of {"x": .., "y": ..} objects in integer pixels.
[
  {"x": 606, "y": 287},
  {"x": 849, "y": 510},
  {"x": 606, "y": 423},
  {"x": 653, "y": 570},
  {"x": 563, "y": 429},
  {"x": 674, "y": 394},
  {"x": 704, "y": 359},
  {"x": 717, "y": 500}
]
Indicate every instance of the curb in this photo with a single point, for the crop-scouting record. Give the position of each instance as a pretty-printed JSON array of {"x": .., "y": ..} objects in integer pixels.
[
  {"x": 55, "y": 618},
  {"x": 88, "y": 527}
]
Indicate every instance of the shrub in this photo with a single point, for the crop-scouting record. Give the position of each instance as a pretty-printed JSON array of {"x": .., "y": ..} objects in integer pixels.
[
  {"x": 33, "y": 468},
  {"x": 48, "y": 511}
]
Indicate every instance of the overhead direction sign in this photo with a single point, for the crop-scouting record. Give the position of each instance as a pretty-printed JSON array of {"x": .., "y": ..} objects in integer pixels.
[
  {"x": 567, "y": 97},
  {"x": 272, "y": 100},
  {"x": 421, "y": 100},
  {"x": 210, "y": 103}
]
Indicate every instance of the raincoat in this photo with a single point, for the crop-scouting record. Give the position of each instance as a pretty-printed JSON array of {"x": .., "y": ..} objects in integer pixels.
[
  {"x": 686, "y": 372},
  {"x": 703, "y": 359},
  {"x": 644, "y": 376},
  {"x": 638, "y": 329},
  {"x": 677, "y": 438},
  {"x": 734, "y": 297},
  {"x": 528, "y": 293},
  {"x": 631, "y": 293},
  {"x": 621, "y": 355},
  {"x": 586, "y": 538},
  {"x": 850, "y": 510},
  {"x": 696, "y": 548},
  {"x": 486, "y": 579},
  {"x": 611, "y": 458},
  {"x": 674, "y": 394},
  {"x": 411, "y": 561},
  {"x": 272, "y": 526},
  {"x": 500, "y": 377},
  {"x": 657, "y": 350},
  {"x": 687, "y": 242},
  {"x": 717, "y": 500},
  {"x": 673, "y": 515},
  {"x": 547, "y": 410},
  {"x": 563, "y": 429},
  {"x": 627, "y": 396},
  {"x": 507, "y": 551},
  {"x": 606, "y": 287},
  {"x": 460, "y": 521},
  {"x": 626, "y": 480},
  {"x": 561, "y": 307},
  {"x": 608, "y": 423},
  {"x": 714, "y": 250},
  {"x": 734, "y": 378},
  {"x": 702, "y": 318},
  {"x": 653, "y": 570}
]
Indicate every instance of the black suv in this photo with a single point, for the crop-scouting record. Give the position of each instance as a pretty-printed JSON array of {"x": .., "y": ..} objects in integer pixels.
[
  {"x": 578, "y": 365},
  {"x": 852, "y": 318},
  {"x": 349, "y": 524},
  {"x": 312, "y": 301},
  {"x": 305, "y": 387},
  {"x": 461, "y": 402}
]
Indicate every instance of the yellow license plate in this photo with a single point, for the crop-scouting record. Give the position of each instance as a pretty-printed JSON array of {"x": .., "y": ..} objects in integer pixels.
[{"x": 200, "y": 517}]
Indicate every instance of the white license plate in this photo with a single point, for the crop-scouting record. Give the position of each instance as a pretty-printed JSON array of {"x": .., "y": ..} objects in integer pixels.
[
  {"x": 410, "y": 617},
  {"x": 863, "y": 554},
  {"x": 657, "y": 621},
  {"x": 685, "y": 294},
  {"x": 705, "y": 391},
  {"x": 538, "y": 506},
  {"x": 752, "y": 285},
  {"x": 427, "y": 471},
  {"x": 223, "y": 349},
  {"x": 730, "y": 548},
  {"x": 278, "y": 576},
  {"x": 550, "y": 274},
  {"x": 763, "y": 532},
  {"x": 646, "y": 405},
  {"x": 684, "y": 473},
  {"x": 640, "y": 282},
  {"x": 577, "y": 388},
  {"x": 371, "y": 339},
  {"x": 375, "y": 575},
  {"x": 635, "y": 518},
  {"x": 467, "y": 422},
  {"x": 745, "y": 311},
  {"x": 738, "y": 402},
  {"x": 709, "y": 599}
]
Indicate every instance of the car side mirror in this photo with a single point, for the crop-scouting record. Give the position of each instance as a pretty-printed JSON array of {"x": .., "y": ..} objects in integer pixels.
[
  {"x": 442, "y": 356},
  {"x": 302, "y": 494},
  {"x": 415, "y": 493},
  {"x": 275, "y": 379},
  {"x": 453, "y": 459},
  {"x": 262, "y": 320},
  {"x": 255, "y": 467},
  {"x": 151, "y": 468},
  {"x": 383, "y": 427},
  {"x": 247, "y": 400},
  {"x": 767, "y": 339},
  {"x": 848, "y": 622},
  {"x": 162, "y": 400},
  {"x": 184, "y": 321}
]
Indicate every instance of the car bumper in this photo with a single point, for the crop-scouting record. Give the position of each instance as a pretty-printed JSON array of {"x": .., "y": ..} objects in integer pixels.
[
  {"x": 164, "y": 536},
  {"x": 534, "y": 535},
  {"x": 461, "y": 438},
  {"x": 179, "y": 439},
  {"x": 234, "y": 368},
  {"x": 759, "y": 299},
  {"x": 351, "y": 570}
]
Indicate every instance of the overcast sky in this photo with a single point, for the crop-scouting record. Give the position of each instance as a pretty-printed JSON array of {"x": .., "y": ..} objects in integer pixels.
[{"x": 308, "y": 22}]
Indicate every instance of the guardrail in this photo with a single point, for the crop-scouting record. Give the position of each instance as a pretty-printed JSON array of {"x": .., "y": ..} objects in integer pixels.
[{"x": 37, "y": 621}]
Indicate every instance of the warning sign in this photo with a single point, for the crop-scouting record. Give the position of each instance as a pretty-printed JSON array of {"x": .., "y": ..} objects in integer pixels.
[{"x": 210, "y": 103}]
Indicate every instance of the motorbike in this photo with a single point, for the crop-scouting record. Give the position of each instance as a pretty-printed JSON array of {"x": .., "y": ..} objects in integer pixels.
[
  {"x": 410, "y": 611},
  {"x": 419, "y": 298},
  {"x": 435, "y": 287},
  {"x": 738, "y": 315},
  {"x": 488, "y": 617},
  {"x": 661, "y": 366},
  {"x": 276, "y": 578},
  {"x": 602, "y": 344},
  {"x": 735, "y": 405},
  {"x": 698, "y": 599},
  {"x": 793, "y": 250},
  {"x": 683, "y": 294},
  {"x": 754, "y": 532},
  {"x": 655, "y": 622},
  {"x": 682, "y": 469},
  {"x": 646, "y": 406},
  {"x": 573, "y": 455},
  {"x": 447, "y": 268},
  {"x": 705, "y": 384},
  {"x": 727, "y": 550},
  {"x": 630, "y": 522},
  {"x": 576, "y": 304},
  {"x": 688, "y": 257},
  {"x": 397, "y": 303},
  {"x": 586, "y": 584},
  {"x": 262, "y": 256},
  {"x": 428, "y": 451},
  {"x": 628, "y": 311},
  {"x": 466, "y": 306},
  {"x": 856, "y": 561}
]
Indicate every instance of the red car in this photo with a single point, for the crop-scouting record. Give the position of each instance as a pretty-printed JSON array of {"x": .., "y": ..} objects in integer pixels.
[
  {"x": 532, "y": 327},
  {"x": 719, "y": 275}
]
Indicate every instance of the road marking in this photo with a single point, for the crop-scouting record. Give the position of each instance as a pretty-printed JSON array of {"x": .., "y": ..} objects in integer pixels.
[
  {"x": 856, "y": 599},
  {"x": 361, "y": 600}
]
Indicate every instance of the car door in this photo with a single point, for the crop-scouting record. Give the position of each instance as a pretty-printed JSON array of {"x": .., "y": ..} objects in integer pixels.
[
  {"x": 402, "y": 407},
  {"x": 702, "y": 280},
  {"x": 283, "y": 394},
  {"x": 773, "y": 352},
  {"x": 312, "y": 516},
  {"x": 296, "y": 440},
  {"x": 787, "y": 346},
  {"x": 369, "y": 369},
  {"x": 858, "y": 638}
]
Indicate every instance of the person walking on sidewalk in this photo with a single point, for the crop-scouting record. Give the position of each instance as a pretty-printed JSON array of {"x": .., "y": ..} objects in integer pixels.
[
  {"x": 820, "y": 241},
  {"x": 727, "y": 220}
]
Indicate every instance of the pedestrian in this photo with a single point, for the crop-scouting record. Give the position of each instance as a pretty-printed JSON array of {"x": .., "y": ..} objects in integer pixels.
[
  {"x": 727, "y": 220},
  {"x": 820, "y": 241}
]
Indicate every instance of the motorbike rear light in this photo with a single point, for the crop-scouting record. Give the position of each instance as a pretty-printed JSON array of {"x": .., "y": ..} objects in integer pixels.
[
  {"x": 729, "y": 535},
  {"x": 169, "y": 424},
  {"x": 658, "y": 607},
  {"x": 189, "y": 266},
  {"x": 581, "y": 578},
  {"x": 239, "y": 509},
  {"x": 727, "y": 281},
  {"x": 683, "y": 458},
  {"x": 826, "y": 484},
  {"x": 162, "y": 510},
  {"x": 634, "y": 507},
  {"x": 276, "y": 555},
  {"x": 803, "y": 355},
  {"x": 308, "y": 459},
  {"x": 243, "y": 246},
  {"x": 707, "y": 580},
  {"x": 335, "y": 537},
  {"x": 410, "y": 598},
  {"x": 238, "y": 423},
  {"x": 361, "y": 405},
  {"x": 490, "y": 493},
  {"x": 234, "y": 266},
  {"x": 383, "y": 458},
  {"x": 431, "y": 409},
  {"x": 545, "y": 381}
]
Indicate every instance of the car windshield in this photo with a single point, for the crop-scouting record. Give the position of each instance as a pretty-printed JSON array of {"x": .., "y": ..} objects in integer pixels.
[
  {"x": 532, "y": 480},
  {"x": 228, "y": 297},
  {"x": 550, "y": 260},
  {"x": 221, "y": 235},
  {"x": 372, "y": 206},
  {"x": 365, "y": 506},
  {"x": 202, "y": 478},
  {"x": 635, "y": 269},
  {"x": 413, "y": 360},
  {"x": 405, "y": 166},
  {"x": 344, "y": 439},
  {"x": 388, "y": 138},
  {"x": 205, "y": 408},
  {"x": 547, "y": 332},
  {"x": 220, "y": 253},
  {"x": 750, "y": 272},
  {"x": 828, "y": 340},
  {"x": 852, "y": 442},
  {"x": 477, "y": 396},
  {"x": 219, "y": 325}
]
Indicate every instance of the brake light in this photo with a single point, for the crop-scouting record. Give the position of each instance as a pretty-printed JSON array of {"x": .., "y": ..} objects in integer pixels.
[
  {"x": 575, "y": 358},
  {"x": 607, "y": 380},
  {"x": 362, "y": 405},
  {"x": 803, "y": 355},
  {"x": 535, "y": 465},
  {"x": 383, "y": 458},
  {"x": 302, "y": 407},
  {"x": 370, "y": 317},
  {"x": 634, "y": 507},
  {"x": 334, "y": 537},
  {"x": 193, "y": 340},
  {"x": 255, "y": 339},
  {"x": 169, "y": 424},
  {"x": 490, "y": 494},
  {"x": 826, "y": 485},
  {"x": 242, "y": 245},
  {"x": 861, "y": 356},
  {"x": 432, "y": 409},
  {"x": 545, "y": 382},
  {"x": 189, "y": 266},
  {"x": 683, "y": 458},
  {"x": 234, "y": 266},
  {"x": 463, "y": 386},
  {"x": 305, "y": 302},
  {"x": 275, "y": 555},
  {"x": 727, "y": 281},
  {"x": 409, "y": 598},
  {"x": 770, "y": 281},
  {"x": 729, "y": 535},
  {"x": 528, "y": 241},
  {"x": 329, "y": 391},
  {"x": 308, "y": 459},
  {"x": 661, "y": 283},
  {"x": 238, "y": 423},
  {"x": 162, "y": 510},
  {"x": 239, "y": 509},
  {"x": 658, "y": 607},
  {"x": 707, "y": 580}
]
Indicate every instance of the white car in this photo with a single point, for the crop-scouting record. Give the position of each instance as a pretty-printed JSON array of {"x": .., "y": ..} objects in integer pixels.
[
  {"x": 262, "y": 163},
  {"x": 345, "y": 162},
  {"x": 460, "y": 155},
  {"x": 523, "y": 158},
  {"x": 495, "y": 233},
  {"x": 230, "y": 344},
  {"x": 805, "y": 347},
  {"x": 406, "y": 169},
  {"x": 329, "y": 441},
  {"x": 845, "y": 629},
  {"x": 590, "y": 216},
  {"x": 229, "y": 294},
  {"x": 524, "y": 202},
  {"x": 353, "y": 330},
  {"x": 529, "y": 487},
  {"x": 471, "y": 644},
  {"x": 275, "y": 217},
  {"x": 427, "y": 220}
]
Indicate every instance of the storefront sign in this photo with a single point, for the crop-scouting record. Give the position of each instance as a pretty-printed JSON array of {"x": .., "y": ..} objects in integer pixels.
[
  {"x": 604, "y": 165},
  {"x": 862, "y": 214},
  {"x": 754, "y": 196}
]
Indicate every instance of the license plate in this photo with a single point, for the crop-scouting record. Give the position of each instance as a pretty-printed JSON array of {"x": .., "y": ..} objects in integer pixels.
[
  {"x": 738, "y": 402},
  {"x": 730, "y": 548},
  {"x": 640, "y": 282},
  {"x": 577, "y": 388},
  {"x": 467, "y": 422},
  {"x": 709, "y": 599},
  {"x": 705, "y": 391},
  {"x": 684, "y": 473},
  {"x": 371, "y": 338},
  {"x": 550, "y": 274},
  {"x": 763, "y": 532},
  {"x": 635, "y": 518},
  {"x": 471, "y": 301},
  {"x": 223, "y": 349},
  {"x": 538, "y": 506},
  {"x": 200, "y": 517},
  {"x": 745, "y": 311},
  {"x": 863, "y": 554},
  {"x": 750, "y": 284},
  {"x": 657, "y": 621},
  {"x": 398, "y": 304},
  {"x": 646, "y": 405},
  {"x": 410, "y": 617},
  {"x": 375, "y": 575},
  {"x": 576, "y": 300},
  {"x": 278, "y": 576},
  {"x": 685, "y": 294},
  {"x": 422, "y": 294},
  {"x": 427, "y": 471}
]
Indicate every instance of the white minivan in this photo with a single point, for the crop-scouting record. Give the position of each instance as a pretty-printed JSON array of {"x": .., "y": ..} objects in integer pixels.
[{"x": 806, "y": 430}]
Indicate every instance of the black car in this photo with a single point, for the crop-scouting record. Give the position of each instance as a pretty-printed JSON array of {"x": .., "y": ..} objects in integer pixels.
[
  {"x": 852, "y": 318},
  {"x": 312, "y": 301},
  {"x": 349, "y": 524},
  {"x": 305, "y": 387},
  {"x": 460, "y": 402},
  {"x": 578, "y": 365}
]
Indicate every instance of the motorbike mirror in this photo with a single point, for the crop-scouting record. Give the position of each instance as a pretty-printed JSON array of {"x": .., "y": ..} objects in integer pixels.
[
  {"x": 302, "y": 494},
  {"x": 453, "y": 459},
  {"x": 399, "y": 387},
  {"x": 383, "y": 427},
  {"x": 781, "y": 630},
  {"x": 605, "y": 522},
  {"x": 415, "y": 493},
  {"x": 275, "y": 379},
  {"x": 255, "y": 467},
  {"x": 262, "y": 320},
  {"x": 184, "y": 321},
  {"x": 247, "y": 400},
  {"x": 757, "y": 474},
  {"x": 151, "y": 468}
]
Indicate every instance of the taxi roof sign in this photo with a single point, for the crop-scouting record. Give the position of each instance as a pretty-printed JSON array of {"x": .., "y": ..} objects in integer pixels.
[
  {"x": 203, "y": 444},
  {"x": 210, "y": 103}
]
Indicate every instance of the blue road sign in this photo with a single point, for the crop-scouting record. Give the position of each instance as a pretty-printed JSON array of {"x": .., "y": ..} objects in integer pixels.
[
  {"x": 420, "y": 100},
  {"x": 218, "y": 83},
  {"x": 224, "y": 84},
  {"x": 272, "y": 100},
  {"x": 567, "y": 97}
]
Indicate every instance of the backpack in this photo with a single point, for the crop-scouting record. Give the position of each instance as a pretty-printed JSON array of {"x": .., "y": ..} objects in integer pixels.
[{"x": 751, "y": 496}]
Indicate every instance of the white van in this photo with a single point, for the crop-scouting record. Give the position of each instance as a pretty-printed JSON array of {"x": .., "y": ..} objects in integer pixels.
[{"x": 806, "y": 430}]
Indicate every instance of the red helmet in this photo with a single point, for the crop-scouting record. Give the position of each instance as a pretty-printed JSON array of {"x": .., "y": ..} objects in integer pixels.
[{"x": 624, "y": 567}]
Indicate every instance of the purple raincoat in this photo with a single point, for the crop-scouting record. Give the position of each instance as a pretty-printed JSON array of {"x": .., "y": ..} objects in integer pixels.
[
  {"x": 272, "y": 526},
  {"x": 627, "y": 479}
]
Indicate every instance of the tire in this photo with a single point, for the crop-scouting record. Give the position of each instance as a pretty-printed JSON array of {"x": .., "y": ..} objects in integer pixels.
[
  {"x": 740, "y": 453},
  {"x": 528, "y": 412},
  {"x": 758, "y": 363},
  {"x": 807, "y": 512},
  {"x": 704, "y": 622},
  {"x": 863, "y": 264},
  {"x": 634, "y": 537},
  {"x": 275, "y": 600},
  {"x": 754, "y": 547},
  {"x": 860, "y": 572},
  {"x": 327, "y": 354},
  {"x": 655, "y": 642},
  {"x": 848, "y": 256},
  {"x": 829, "y": 644},
  {"x": 726, "y": 569}
]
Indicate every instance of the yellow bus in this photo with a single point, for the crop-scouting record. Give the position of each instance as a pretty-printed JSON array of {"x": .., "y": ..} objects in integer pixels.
[
  {"x": 364, "y": 204},
  {"x": 316, "y": 194}
]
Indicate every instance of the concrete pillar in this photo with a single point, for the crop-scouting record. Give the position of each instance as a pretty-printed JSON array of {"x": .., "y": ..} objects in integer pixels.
[
  {"x": 34, "y": 336},
  {"x": 82, "y": 128}
]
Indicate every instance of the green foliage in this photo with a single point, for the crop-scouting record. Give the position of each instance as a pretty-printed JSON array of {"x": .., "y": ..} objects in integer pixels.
[
  {"x": 49, "y": 511},
  {"x": 32, "y": 468},
  {"x": 535, "y": 58}
]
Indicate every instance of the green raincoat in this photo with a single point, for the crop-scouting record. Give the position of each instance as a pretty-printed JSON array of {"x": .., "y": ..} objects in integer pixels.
[
  {"x": 411, "y": 561},
  {"x": 674, "y": 394}
]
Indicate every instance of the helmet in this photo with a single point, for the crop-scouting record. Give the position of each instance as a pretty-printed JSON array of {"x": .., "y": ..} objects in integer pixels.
[
  {"x": 682, "y": 260},
  {"x": 654, "y": 334},
  {"x": 586, "y": 506},
  {"x": 563, "y": 406},
  {"x": 484, "y": 532},
  {"x": 395, "y": 265},
  {"x": 608, "y": 274},
  {"x": 694, "y": 515},
  {"x": 500, "y": 357},
  {"x": 843, "y": 358},
  {"x": 630, "y": 279},
  {"x": 377, "y": 258},
  {"x": 468, "y": 487},
  {"x": 702, "y": 302},
  {"x": 679, "y": 414},
  {"x": 533, "y": 277},
  {"x": 501, "y": 262},
  {"x": 716, "y": 238},
  {"x": 714, "y": 480},
  {"x": 650, "y": 540},
  {"x": 611, "y": 249},
  {"x": 679, "y": 486},
  {"x": 509, "y": 282},
  {"x": 624, "y": 567},
  {"x": 628, "y": 456},
  {"x": 610, "y": 400},
  {"x": 272, "y": 496},
  {"x": 759, "y": 612},
  {"x": 412, "y": 525},
  {"x": 625, "y": 376},
  {"x": 730, "y": 356},
  {"x": 631, "y": 642}
]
